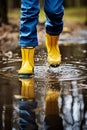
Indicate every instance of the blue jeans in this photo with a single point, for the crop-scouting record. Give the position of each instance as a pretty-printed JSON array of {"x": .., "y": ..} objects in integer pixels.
[{"x": 29, "y": 18}]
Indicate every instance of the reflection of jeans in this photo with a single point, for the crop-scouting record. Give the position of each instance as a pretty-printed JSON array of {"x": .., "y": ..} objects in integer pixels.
[
  {"x": 27, "y": 118},
  {"x": 53, "y": 122},
  {"x": 29, "y": 18}
]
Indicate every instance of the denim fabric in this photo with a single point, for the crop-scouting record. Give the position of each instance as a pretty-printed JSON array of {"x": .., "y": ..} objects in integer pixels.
[
  {"x": 28, "y": 22},
  {"x": 29, "y": 18},
  {"x": 54, "y": 12}
]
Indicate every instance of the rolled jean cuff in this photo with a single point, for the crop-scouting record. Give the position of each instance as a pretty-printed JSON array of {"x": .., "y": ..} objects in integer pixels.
[
  {"x": 54, "y": 30},
  {"x": 25, "y": 43}
]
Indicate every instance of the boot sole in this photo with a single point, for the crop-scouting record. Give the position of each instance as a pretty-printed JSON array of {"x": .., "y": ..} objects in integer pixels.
[
  {"x": 25, "y": 75},
  {"x": 51, "y": 65}
]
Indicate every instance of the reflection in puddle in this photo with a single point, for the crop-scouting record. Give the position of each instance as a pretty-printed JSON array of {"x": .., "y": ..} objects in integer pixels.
[
  {"x": 53, "y": 119},
  {"x": 62, "y": 106},
  {"x": 52, "y": 99},
  {"x": 33, "y": 114},
  {"x": 72, "y": 106},
  {"x": 25, "y": 105}
]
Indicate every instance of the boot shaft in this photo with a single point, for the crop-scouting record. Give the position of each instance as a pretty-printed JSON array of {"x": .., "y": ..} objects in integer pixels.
[
  {"x": 28, "y": 55},
  {"x": 27, "y": 66},
  {"x": 54, "y": 56},
  {"x": 52, "y": 42}
]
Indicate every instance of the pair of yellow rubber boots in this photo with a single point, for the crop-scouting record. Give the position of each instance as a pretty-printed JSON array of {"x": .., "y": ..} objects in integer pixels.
[{"x": 54, "y": 56}]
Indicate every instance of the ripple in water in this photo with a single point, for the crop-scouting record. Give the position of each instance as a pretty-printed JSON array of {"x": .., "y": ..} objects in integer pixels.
[{"x": 63, "y": 72}]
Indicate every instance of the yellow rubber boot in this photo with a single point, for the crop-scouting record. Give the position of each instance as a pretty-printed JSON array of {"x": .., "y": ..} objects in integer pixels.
[
  {"x": 54, "y": 56},
  {"x": 27, "y": 67}
]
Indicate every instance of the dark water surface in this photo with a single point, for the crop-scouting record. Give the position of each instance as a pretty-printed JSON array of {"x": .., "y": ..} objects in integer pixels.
[{"x": 51, "y": 99}]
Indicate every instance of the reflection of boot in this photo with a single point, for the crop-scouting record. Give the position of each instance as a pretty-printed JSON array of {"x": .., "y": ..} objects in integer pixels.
[
  {"x": 27, "y": 61},
  {"x": 27, "y": 90},
  {"x": 27, "y": 115},
  {"x": 52, "y": 119},
  {"x": 52, "y": 103},
  {"x": 54, "y": 56}
]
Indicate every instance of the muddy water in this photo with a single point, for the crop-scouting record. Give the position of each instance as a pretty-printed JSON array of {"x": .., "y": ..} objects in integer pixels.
[{"x": 51, "y": 99}]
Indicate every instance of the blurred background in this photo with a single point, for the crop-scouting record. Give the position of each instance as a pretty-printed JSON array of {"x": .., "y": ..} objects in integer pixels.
[
  {"x": 75, "y": 18},
  {"x": 75, "y": 10}
]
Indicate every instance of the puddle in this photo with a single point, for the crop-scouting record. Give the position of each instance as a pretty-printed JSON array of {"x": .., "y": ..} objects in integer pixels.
[{"x": 52, "y": 99}]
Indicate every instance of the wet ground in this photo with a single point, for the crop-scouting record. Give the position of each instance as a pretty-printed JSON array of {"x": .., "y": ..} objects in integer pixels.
[{"x": 51, "y": 99}]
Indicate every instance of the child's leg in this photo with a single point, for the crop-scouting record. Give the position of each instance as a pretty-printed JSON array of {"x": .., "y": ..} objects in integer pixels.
[
  {"x": 28, "y": 35},
  {"x": 54, "y": 12},
  {"x": 28, "y": 22}
]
